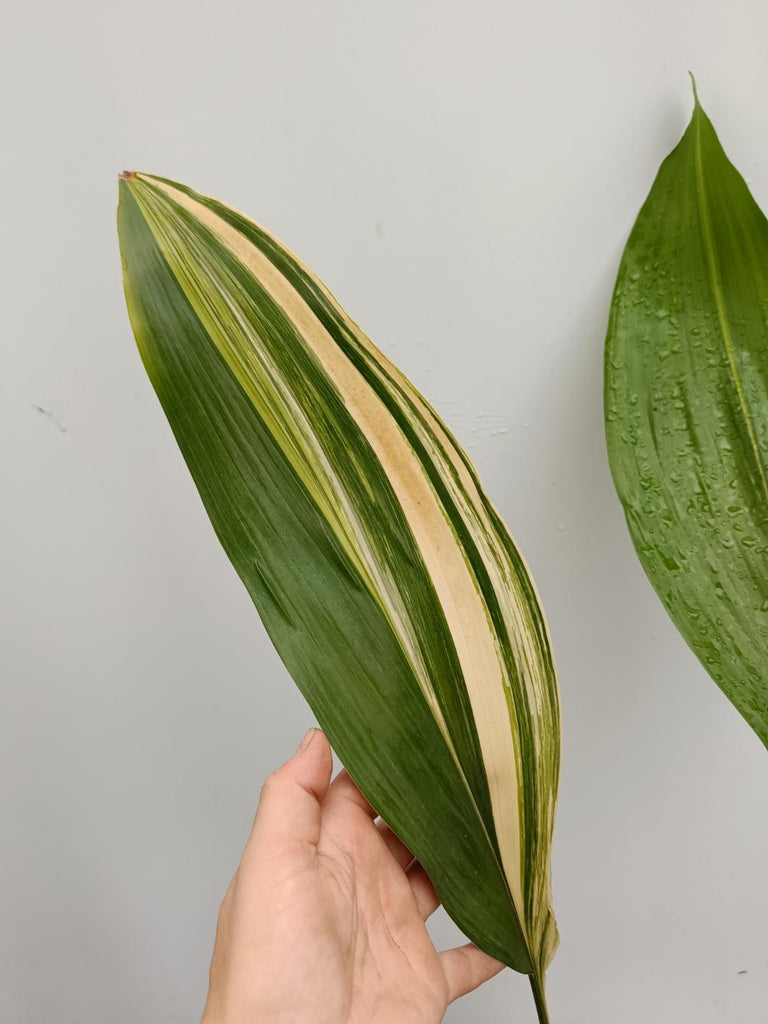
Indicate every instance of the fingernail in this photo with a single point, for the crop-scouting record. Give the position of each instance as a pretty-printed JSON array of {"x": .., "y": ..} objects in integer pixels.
[{"x": 310, "y": 735}]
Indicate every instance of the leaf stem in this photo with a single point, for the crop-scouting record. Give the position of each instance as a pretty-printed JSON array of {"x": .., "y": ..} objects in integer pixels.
[{"x": 537, "y": 986}]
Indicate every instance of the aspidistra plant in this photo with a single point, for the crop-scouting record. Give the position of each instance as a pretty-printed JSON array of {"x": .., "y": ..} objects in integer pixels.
[
  {"x": 383, "y": 574},
  {"x": 686, "y": 409}
]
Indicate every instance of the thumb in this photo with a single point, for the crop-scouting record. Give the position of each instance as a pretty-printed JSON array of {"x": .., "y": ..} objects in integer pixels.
[{"x": 290, "y": 804}]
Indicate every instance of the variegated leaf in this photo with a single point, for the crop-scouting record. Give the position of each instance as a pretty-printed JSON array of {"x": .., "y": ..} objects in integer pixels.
[{"x": 386, "y": 579}]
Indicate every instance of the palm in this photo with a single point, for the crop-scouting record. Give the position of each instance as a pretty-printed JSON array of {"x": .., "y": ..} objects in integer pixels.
[{"x": 383, "y": 957}]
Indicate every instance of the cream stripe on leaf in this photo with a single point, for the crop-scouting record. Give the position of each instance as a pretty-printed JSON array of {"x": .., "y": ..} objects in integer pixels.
[{"x": 386, "y": 579}]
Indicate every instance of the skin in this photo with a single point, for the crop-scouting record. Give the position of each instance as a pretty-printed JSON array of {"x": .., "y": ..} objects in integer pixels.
[{"x": 324, "y": 920}]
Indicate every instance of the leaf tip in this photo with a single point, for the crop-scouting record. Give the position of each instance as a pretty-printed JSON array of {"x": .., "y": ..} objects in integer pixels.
[
  {"x": 695, "y": 90},
  {"x": 126, "y": 175}
]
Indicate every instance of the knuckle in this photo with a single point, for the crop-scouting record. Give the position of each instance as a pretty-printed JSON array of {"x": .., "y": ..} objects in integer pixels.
[{"x": 270, "y": 784}]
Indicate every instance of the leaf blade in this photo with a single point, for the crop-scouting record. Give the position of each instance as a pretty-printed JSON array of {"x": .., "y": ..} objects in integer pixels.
[
  {"x": 686, "y": 396},
  {"x": 352, "y": 436}
]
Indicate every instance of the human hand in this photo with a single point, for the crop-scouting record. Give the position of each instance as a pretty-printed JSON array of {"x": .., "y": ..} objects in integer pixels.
[{"x": 323, "y": 921}]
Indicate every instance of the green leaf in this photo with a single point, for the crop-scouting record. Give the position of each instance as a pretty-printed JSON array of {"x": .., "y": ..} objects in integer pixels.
[
  {"x": 686, "y": 404},
  {"x": 386, "y": 579}
]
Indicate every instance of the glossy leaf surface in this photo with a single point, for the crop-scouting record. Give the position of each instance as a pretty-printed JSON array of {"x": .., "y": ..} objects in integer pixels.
[{"x": 686, "y": 402}]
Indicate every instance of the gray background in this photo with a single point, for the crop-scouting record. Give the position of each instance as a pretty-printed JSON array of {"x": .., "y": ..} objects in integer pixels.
[{"x": 463, "y": 176}]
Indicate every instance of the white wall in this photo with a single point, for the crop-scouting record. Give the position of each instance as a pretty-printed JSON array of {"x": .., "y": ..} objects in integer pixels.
[{"x": 463, "y": 176}]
